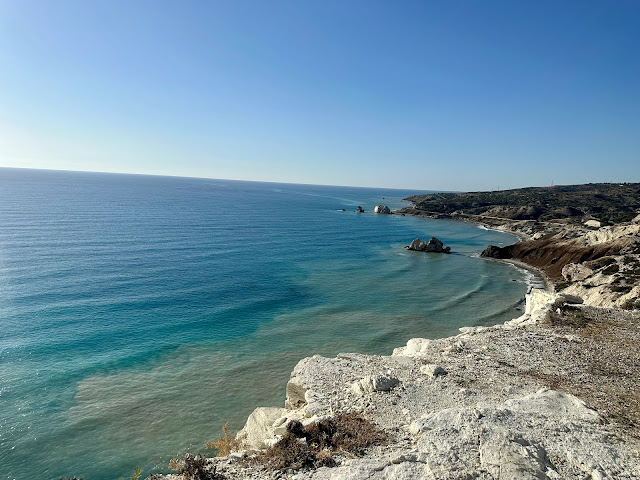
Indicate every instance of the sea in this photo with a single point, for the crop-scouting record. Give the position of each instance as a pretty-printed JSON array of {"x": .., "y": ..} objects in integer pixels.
[{"x": 139, "y": 314}]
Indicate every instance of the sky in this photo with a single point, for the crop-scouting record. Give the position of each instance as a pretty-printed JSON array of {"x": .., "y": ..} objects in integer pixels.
[{"x": 442, "y": 95}]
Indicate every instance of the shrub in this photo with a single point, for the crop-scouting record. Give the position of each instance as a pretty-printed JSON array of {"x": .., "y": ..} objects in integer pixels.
[
  {"x": 611, "y": 269},
  {"x": 195, "y": 467},
  {"x": 564, "y": 315},
  {"x": 136, "y": 474},
  {"x": 312, "y": 446},
  {"x": 603, "y": 262},
  {"x": 621, "y": 288},
  {"x": 225, "y": 444}
]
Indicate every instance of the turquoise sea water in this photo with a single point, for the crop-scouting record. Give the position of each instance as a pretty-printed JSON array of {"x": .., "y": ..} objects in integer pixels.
[{"x": 139, "y": 314}]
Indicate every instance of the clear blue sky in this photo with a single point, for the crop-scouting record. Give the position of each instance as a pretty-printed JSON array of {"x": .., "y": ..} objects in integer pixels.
[{"x": 462, "y": 95}]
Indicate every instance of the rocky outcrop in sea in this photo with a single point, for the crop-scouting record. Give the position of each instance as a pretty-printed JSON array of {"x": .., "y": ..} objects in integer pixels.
[
  {"x": 382, "y": 209},
  {"x": 433, "y": 245}
]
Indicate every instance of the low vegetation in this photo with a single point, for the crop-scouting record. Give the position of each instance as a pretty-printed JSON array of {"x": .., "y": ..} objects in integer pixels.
[
  {"x": 564, "y": 315},
  {"x": 314, "y": 445},
  {"x": 607, "y": 202},
  {"x": 226, "y": 444},
  {"x": 195, "y": 467}
]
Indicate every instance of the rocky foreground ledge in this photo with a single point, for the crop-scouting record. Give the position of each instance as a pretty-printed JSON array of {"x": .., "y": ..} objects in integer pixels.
[{"x": 552, "y": 394}]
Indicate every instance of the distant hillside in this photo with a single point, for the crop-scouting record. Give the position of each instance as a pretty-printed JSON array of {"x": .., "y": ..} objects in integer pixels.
[{"x": 607, "y": 202}]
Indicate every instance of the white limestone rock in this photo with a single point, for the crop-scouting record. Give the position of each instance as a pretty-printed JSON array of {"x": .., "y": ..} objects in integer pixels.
[
  {"x": 432, "y": 370},
  {"x": 381, "y": 209},
  {"x": 609, "y": 234},
  {"x": 259, "y": 427},
  {"x": 375, "y": 383},
  {"x": 415, "y": 347},
  {"x": 592, "y": 223},
  {"x": 517, "y": 439}
]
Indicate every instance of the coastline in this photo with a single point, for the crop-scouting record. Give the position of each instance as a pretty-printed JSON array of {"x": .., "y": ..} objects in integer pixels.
[
  {"x": 519, "y": 234},
  {"x": 486, "y": 388},
  {"x": 531, "y": 361}
]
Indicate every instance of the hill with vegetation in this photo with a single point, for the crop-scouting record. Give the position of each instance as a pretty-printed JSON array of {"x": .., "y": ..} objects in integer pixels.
[{"x": 610, "y": 203}]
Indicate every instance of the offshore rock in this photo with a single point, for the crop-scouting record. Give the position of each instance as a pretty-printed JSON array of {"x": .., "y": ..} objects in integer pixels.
[
  {"x": 382, "y": 209},
  {"x": 359, "y": 209},
  {"x": 434, "y": 245}
]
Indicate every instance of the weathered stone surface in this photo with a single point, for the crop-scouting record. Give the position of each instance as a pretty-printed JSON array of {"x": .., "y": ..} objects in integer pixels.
[
  {"x": 432, "y": 370},
  {"x": 433, "y": 245},
  {"x": 381, "y": 209},
  {"x": 576, "y": 272},
  {"x": 259, "y": 426},
  {"x": 375, "y": 383},
  {"x": 610, "y": 234},
  {"x": 592, "y": 223}
]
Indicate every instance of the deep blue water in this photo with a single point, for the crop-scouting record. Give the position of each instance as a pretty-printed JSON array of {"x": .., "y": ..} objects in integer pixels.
[{"x": 138, "y": 314}]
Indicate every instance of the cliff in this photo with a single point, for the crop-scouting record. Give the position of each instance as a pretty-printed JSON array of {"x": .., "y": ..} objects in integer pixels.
[{"x": 552, "y": 394}]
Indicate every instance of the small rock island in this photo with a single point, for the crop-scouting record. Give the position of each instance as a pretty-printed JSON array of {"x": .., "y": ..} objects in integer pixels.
[{"x": 434, "y": 245}]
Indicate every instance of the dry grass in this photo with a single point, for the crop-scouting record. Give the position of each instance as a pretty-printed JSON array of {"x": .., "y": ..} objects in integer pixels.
[
  {"x": 195, "y": 467},
  {"x": 313, "y": 446},
  {"x": 563, "y": 315},
  {"x": 226, "y": 444}
]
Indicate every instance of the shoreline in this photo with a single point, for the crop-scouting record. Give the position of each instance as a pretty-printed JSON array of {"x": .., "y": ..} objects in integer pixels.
[
  {"x": 520, "y": 235},
  {"x": 543, "y": 360},
  {"x": 503, "y": 371}
]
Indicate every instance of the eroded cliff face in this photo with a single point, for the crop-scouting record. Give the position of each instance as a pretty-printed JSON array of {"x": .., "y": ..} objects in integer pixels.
[
  {"x": 602, "y": 266},
  {"x": 542, "y": 396}
]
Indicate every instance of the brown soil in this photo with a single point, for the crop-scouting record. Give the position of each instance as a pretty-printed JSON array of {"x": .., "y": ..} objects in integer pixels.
[{"x": 550, "y": 254}]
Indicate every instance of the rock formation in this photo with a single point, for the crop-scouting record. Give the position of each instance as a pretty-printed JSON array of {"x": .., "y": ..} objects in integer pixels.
[
  {"x": 502, "y": 253},
  {"x": 381, "y": 209},
  {"x": 434, "y": 245},
  {"x": 471, "y": 406},
  {"x": 359, "y": 209}
]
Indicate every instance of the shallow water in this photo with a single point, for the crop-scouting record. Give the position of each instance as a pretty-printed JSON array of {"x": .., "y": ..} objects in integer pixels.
[{"x": 139, "y": 314}]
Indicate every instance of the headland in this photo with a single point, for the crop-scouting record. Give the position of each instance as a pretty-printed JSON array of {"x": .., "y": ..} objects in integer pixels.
[{"x": 551, "y": 394}]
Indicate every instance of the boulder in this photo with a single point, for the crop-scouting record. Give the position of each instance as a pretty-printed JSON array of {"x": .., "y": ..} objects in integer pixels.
[
  {"x": 382, "y": 209},
  {"x": 259, "y": 427},
  {"x": 575, "y": 272},
  {"x": 432, "y": 370},
  {"x": 592, "y": 223},
  {"x": 375, "y": 383},
  {"x": 434, "y": 245}
]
